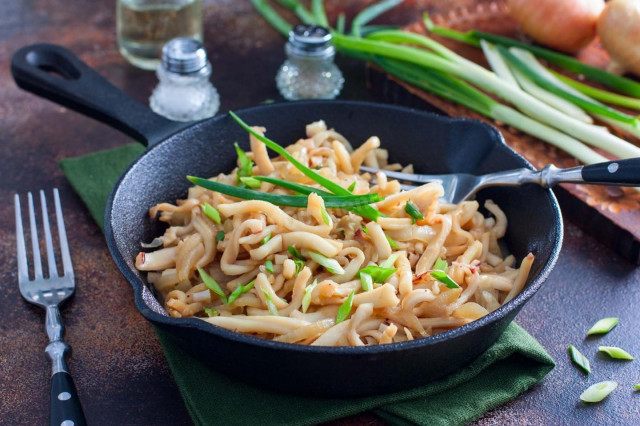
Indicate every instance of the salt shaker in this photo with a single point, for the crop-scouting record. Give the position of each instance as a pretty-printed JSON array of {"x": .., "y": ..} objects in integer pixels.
[
  {"x": 309, "y": 71},
  {"x": 184, "y": 92}
]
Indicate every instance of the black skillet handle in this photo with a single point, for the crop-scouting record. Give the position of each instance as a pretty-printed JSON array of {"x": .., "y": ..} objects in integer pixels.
[
  {"x": 65, "y": 405},
  {"x": 619, "y": 172},
  {"x": 55, "y": 73}
]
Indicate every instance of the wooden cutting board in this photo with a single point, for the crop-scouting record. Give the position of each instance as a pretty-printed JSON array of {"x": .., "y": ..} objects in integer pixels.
[{"x": 610, "y": 214}]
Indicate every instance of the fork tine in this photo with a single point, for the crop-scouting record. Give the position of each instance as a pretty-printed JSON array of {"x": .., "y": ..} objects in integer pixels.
[
  {"x": 37, "y": 262},
  {"x": 403, "y": 176},
  {"x": 23, "y": 266},
  {"x": 51, "y": 258},
  {"x": 62, "y": 235}
]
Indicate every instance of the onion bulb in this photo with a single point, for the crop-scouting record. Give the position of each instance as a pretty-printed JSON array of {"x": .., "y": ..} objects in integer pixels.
[
  {"x": 619, "y": 32},
  {"x": 566, "y": 25}
]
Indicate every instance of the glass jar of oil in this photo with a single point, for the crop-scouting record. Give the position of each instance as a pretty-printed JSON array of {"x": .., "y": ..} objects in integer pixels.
[{"x": 144, "y": 26}]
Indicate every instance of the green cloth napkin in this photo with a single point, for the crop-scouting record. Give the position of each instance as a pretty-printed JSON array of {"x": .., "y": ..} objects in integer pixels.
[{"x": 512, "y": 365}]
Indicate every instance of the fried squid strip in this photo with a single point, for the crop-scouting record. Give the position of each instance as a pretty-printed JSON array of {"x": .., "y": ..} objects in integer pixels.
[{"x": 260, "y": 154}]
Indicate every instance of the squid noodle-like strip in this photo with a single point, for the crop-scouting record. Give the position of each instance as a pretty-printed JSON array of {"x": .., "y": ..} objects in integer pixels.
[
  {"x": 257, "y": 324},
  {"x": 260, "y": 154},
  {"x": 429, "y": 192},
  {"x": 228, "y": 262},
  {"x": 442, "y": 322},
  {"x": 381, "y": 297},
  {"x": 208, "y": 237},
  {"x": 343, "y": 159},
  {"x": 379, "y": 240},
  {"x": 389, "y": 333},
  {"x": 363, "y": 312},
  {"x": 190, "y": 251},
  {"x": 353, "y": 267},
  {"x": 500, "y": 227},
  {"x": 394, "y": 223},
  {"x": 264, "y": 286},
  {"x": 358, "y": 156},
  {"x": 332, "y": 336},
  {"x": 306, "y": 240},
  {"x": 521, "y": 278},
  {"x": 417, "y": 296},
  {"x": 314, "y": 128},
  {"x": 404, "y": 273},
  {"x": 472, "y": 286},
  {"x": 185, "y": 206},
  {"x": 432, "y": 252},
  {"x": 473, "y": 252},
  {"x": 309, "y": 331},
  {"x": 490, "y": 281},
  {"x": 157, "y": 260},
  {"x": 275, "y": 215},
  {"x": 274, "y": 245},
  {"x": 315, "y": 206},
  {"x": 258, "y": 237}
]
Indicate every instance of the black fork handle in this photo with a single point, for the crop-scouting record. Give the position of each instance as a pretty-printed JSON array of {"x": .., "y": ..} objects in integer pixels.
[
  {"x": 55, "y": 73},
  {"x": 65, "y": 405}
]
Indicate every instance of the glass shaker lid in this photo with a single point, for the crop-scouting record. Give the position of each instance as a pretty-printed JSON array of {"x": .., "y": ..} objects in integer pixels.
[
  {"x": 184, "y": 56},
  {"x": 310, "y": 40}
]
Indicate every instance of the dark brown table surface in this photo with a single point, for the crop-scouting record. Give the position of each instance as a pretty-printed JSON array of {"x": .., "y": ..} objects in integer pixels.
[{"x": 120, "y": 372}]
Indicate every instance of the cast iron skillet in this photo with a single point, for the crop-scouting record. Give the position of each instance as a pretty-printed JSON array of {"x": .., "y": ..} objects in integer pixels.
[{"x": 432, "y": 143}]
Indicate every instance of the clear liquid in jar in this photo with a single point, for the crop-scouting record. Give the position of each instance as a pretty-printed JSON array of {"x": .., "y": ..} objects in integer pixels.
[{"x": 144, "y": 26}]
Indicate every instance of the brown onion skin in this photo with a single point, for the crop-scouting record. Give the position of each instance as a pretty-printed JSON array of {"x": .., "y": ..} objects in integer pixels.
[
  {"x": 619, "y": 32},
  {"x": 565, "y": 25}
]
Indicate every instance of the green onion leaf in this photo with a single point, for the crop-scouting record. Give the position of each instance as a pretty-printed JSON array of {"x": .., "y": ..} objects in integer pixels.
[
  {"x": 369, "y": 13},
  {"x": 333, "y": 201},
  {"x": 345, "y": 309},
  {"x": 378, "y": 273},
  {"x": 270, "y": 305},
  {"x": 392, "y": 243},
  {"x": 272, "y": 16},
  {"x": 211, "y": 212},
  {"x": 299, "y": 188},
  {"x": 615, "y": 352},
  {"x": 579, "y": 359},
  {"x": 266, "y": 239},
  {"x": 598, "y": 391},
  {"x": 306, "y": 299},
  {"x": 390, "y": 261},
  {"x": 299, "y": 265},
  {"x": 295, "y": 253},
  {"x": 330, "y": 265},
  {"x": 245, "y": 167},
  {"x": 444, "y": 279},
  {"x": 211, "y": 312},
  {"x": 637, "y": 386},
  {"x": 440, "y": 265},
  {"x": 352, "y": 186},
  {"x": 220, "y": 236},
  {"x": 268, "y": 266},
  {"x": 325, "y": 216},
  {"x": 212, "y": 284},
  {"x": 603, "y": 326},
  {"x": 250, "y": 182},
  {"x": 240, "y": 290},
  {"x": 366, "y": 281},
  {"x": 413, "y": 211}
]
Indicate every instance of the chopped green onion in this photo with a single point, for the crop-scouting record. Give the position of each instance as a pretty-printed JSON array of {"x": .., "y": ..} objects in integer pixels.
[
  {"x": 325, "y": 216},
  {"x": 220, "y": 236},
  {"x": 250, "y": 182},
  {"x": 391, "y": 260},
  {"x": 366, "y": 281},
  {"x": 306, "y": 299},
  {"x": 268, "y": 266},
  {"x": 334, "y": 201},
  {"x": 440, "y": 265},
  {"x": 377, "y": 273},
  {"x": 637, "y": 386},
  {"x": 598, "y": 391},
  {"x": 266, "y": 239},
  {"x": 352, "y": 186},
  {"x": 270, "y": 305},
  {"x": 345, "y": 309},
  {"x": 330, "y": 265},
  {"x": 211, "y": 312},
  {"x": 240, "y": 290},
  {"x": 603, "y": 326},
  {"x": 412, "y": 210},
  {"x": 579, "y": 359},
  {"x": 295, "y": 253},
  {"x": 212, "y": 284},
  {"x": 299, "y": 265},
  {"x": 211, "y": 212},
  {"x": 615, "y": 352},
  {"x": 444, "y": 279},
  {"x": 245, "y": 167},
  {"x": 391, "y": 242}
]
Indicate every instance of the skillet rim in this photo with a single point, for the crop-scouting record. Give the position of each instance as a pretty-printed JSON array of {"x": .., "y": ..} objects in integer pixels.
[{"x": 515, "y": 304}]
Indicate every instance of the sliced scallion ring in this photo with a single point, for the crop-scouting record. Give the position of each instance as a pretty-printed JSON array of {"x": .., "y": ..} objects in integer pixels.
[
  {"x": 599, "y": 391},
  {"x": 330, "y": 265},
  {"x": 579, "y": 359},
  {"x": 603, "y": 326},
  {"x": 306, "y": 299},
  {"x": 615, "y": 352}
]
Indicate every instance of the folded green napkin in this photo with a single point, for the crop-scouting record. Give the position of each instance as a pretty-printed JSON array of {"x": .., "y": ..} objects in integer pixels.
[{"x": 512, "y": 365}]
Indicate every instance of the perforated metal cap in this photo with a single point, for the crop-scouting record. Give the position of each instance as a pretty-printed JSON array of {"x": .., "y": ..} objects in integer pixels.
[
  {"x": 310, "y": 40},
  {"x": 184, "y": 56}
]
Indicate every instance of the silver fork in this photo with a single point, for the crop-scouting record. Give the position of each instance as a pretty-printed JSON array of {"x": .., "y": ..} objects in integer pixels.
[
  {"x": 49, "y": 293},
  {"x": 460, "y": 186}
]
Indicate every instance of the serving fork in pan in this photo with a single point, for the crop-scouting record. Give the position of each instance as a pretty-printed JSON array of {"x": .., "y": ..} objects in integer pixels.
[
  {"x": 460, "y": 186},
  {"x": 49, "y": 293}
]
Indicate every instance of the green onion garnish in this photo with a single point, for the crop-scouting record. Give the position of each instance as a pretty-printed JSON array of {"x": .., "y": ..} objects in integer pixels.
[
  {"x": 211, "y": 212},
  {"x": 598, "y": 391},
  {"x": 637, "y": 386},
  {"x": 268, "y": 266},
  {"x": 333, "y": 201},
  {"x": 270, "y": 305},
  {"x": 345, "y": 309},
  {"x": 239, "y": 291},
  {"x": 352, "y": 186},
  {"x": 440, "y": 265},
  {"x": 579, "y": 359},
  {"x": 330, "y": 265},
  {"x": 413, "y": 211},
  {"x": 299, "y": 265},
  {"x": 250, "y": 182},
  {"x": 211, "y": 312},
  {"x": 366, "y": 281},
  {"x": 245, "y": 168},
  {"x": 444, "y": 279},
  {"x": 295, "y": 253},
  {"x": 220, "y": 236},
  {"x": 266, "y": 239},
  {"x": 212, "y": 284},
  {"x": 325, "y": 216},
  {"x": 378, "y": 274},
  {"x": 296, "y": 187},
  {"x": 306, "y": 299},
  {"x": 603, "y": 326},
  {"x": 615, "y": 352},
  {"x": 390, "y": 261},
  {"x": 392, "y": 243}
]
